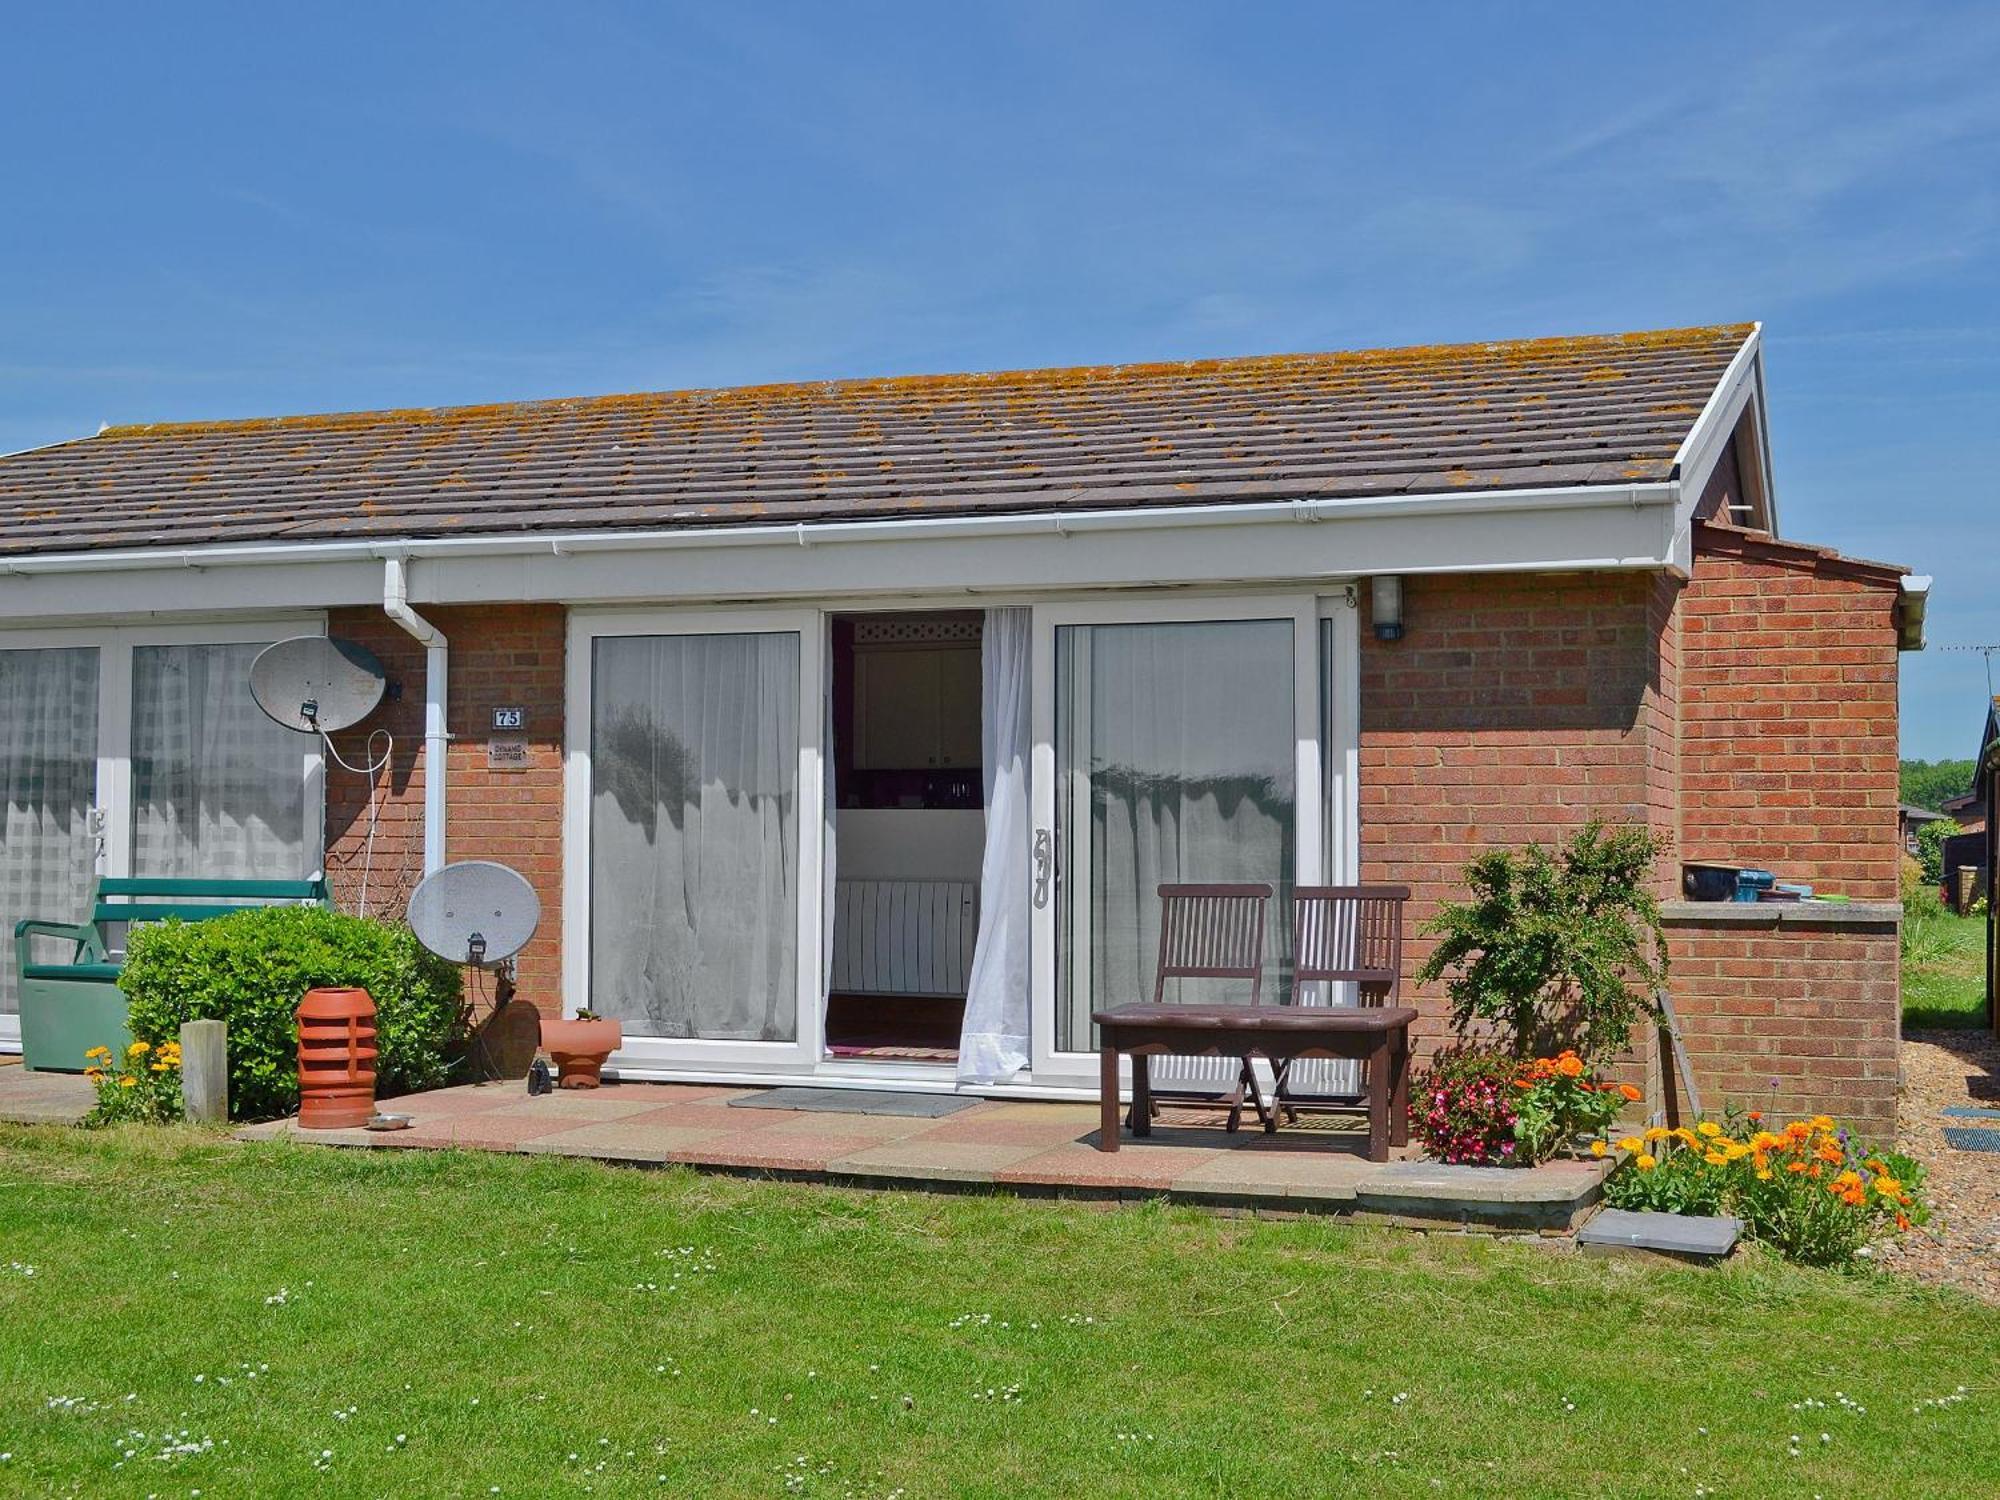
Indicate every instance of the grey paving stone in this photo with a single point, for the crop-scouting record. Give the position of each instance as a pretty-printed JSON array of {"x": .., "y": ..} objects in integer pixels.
[{"x": 1684, "y": 1236}]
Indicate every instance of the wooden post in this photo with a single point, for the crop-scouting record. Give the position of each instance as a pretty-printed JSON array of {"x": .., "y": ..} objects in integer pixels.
[{"x": 205, "y": 1071}]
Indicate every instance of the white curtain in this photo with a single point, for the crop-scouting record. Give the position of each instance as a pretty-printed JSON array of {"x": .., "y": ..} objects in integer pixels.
[
  {"x": 694, "y": 835},
  {"x": 1176, "y": 750},
  {"x": 48, "y": 781},
  {"x": 994, "y": 1045},
  {"x": 828, "y": 849},
  {"x": 218, "y": 789}
]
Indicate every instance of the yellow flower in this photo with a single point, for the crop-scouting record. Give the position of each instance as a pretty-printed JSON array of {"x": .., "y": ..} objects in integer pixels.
[
  {"x": 1714, "y": 1158},
  {"x": 1683, "y": 1134},
  {"x": 1887, "y": 1186},
  {"x": 98, "y": 1052},
  {"x": 1598, "y": 1148},
  {"x": 93, "y": 1074},
  {"x": 137, "y": 1049},
  {"x": 126, "y": 1081},
  {"x": 1630, "y": 1143},
  {"x": 159, "y": 1067},
  {"x": 1735, "y": 1150},
  {"x": 1646, "y": 1163},
  {"x": 1709, "y": 1127},
  {"x": 1763, "y": 1174},
  {"x": 1658, "y": 1133},
  {"x": 1822, "y": 1122}
]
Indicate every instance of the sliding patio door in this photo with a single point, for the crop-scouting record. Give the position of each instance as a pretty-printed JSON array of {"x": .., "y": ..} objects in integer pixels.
[
  {"x": 695, "y": 801},
  {"x": 1175, "y": 742},
  {"x": 141, "y": 752},
  {"x": 48, "y": 794}
]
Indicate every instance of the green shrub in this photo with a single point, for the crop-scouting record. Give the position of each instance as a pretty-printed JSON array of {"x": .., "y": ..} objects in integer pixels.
[
  {"x": 1555, "y": 948},
  {"x": 250, "y": 969},
  {"x": 1930, "y": 848}
]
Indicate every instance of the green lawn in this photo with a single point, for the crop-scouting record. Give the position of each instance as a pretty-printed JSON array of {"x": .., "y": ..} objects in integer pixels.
[
  {"x": 399, "y": 1324},
  {"x": 1944, "y": 972}
]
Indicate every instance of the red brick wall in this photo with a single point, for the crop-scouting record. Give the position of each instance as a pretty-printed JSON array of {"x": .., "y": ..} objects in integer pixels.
[
  {"x": 1816, "y": 1009},
  {"x": 501, "y": 655},
  {"x": 1788, "y": 716},
  {"x": 1514, "y": 710}
]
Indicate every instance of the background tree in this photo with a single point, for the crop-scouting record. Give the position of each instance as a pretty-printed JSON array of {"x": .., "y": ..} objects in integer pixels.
[{"x": 1929, "y": 783}]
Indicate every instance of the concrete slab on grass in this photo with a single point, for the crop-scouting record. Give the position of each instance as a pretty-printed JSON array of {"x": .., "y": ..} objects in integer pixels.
[{"x": 1684, "y": 1237}]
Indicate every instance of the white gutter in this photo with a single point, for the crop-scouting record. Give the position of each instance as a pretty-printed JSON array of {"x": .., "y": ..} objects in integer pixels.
[
  {"x": 806, "y": 534},
  {"x": 437, "y": 652}
]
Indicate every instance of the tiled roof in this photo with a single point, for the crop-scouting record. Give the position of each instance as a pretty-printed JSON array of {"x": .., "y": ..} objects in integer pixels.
[{"x": 1529, "y": 414}]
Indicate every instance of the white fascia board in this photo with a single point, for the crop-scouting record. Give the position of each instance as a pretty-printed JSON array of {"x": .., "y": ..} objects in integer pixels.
[
  {"x": 1741, "y": 388},
  {"x": 1621, "y": 526}
]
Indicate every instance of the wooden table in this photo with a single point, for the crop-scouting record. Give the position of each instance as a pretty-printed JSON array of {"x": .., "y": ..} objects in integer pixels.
[{"x": 1376, "y": 1036}]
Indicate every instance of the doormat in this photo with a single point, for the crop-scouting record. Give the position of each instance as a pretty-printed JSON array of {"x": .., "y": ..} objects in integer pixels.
[
  {"x": 859, "y": 1102},
  {"x": 1964, "y": 1139}
]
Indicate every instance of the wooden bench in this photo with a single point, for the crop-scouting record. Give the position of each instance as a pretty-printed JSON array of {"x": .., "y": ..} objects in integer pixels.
[
  {"x": 74, "y": 1004},
  {"x": 1216, "y": 932}
]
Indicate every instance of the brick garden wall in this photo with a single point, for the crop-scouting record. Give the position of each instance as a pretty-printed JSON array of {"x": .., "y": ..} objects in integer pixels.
[
  {"x": 501, "y": 655},
  {"x": 1797, "y": 1020}
]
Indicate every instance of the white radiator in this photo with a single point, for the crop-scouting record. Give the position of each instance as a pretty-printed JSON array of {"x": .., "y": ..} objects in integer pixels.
[{"x": 904, "y": 937}]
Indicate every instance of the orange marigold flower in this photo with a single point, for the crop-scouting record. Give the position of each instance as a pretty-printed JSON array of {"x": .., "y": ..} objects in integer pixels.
[
  {"x": 1598, "y": 1148},
  {"x": 1756, "y": 1115},
  {"x": 1902, "y": 1221},
  {"x": 1632, "y": 1095},
  {"x": 1795, "y": 1166},
  {"x": 1569, "y": 1065}
]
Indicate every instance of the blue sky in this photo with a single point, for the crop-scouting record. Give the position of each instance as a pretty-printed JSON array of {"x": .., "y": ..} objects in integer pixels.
[{"x": 242, "y": 210}]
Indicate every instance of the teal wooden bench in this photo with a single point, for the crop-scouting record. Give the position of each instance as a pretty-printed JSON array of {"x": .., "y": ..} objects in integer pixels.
[{"x": 74, "y": 1004}]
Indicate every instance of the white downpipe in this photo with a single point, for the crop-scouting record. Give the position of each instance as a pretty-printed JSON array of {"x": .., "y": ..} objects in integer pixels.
[{"x": 437, "y": 740}]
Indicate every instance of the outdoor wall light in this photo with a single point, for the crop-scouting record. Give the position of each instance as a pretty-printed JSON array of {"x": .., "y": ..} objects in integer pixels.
[{"x": 1385, "y": 599}]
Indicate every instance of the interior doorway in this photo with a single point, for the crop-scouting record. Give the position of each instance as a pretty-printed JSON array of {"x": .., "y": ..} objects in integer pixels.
[{"x": 910, "y": 832}]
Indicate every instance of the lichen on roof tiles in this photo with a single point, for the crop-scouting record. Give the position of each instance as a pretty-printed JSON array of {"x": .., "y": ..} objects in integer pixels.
[{"x": 1095, "y": 436}]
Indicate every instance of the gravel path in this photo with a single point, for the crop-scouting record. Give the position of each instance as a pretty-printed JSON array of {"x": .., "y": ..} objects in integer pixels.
[{"x": 1961, "y": 1245}]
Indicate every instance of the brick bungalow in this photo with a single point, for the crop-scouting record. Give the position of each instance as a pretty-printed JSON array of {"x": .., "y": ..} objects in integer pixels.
[{"x": 841, "y": 702}]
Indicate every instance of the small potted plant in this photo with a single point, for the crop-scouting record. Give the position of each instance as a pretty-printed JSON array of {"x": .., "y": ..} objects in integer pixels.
[{"x": 579, "y": 1045}]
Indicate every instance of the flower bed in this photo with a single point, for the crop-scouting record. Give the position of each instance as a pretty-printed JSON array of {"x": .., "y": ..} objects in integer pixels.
[
  {"x": 1811, "y": 1190},
  {"x": 144, "y": 1084},
  {"x": 1479, "y": 1106}
]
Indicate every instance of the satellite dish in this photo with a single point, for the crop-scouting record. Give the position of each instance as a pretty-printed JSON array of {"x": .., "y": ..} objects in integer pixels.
[
  {"x": 475, "y": 912},
  {"x": 317, "y": 683}
]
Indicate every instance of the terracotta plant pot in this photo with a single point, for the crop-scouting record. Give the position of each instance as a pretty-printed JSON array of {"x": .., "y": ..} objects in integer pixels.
[{"x": 579, "y": 1049}]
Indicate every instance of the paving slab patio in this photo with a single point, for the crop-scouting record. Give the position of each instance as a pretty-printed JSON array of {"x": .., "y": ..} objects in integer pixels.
[
  {"x": 1038, "y": 1147},
  {"x": 43, "y": 1098}
]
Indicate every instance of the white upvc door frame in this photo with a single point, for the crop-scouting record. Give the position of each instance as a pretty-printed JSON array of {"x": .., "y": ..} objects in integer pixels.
[
  {"x": 1064, "y": 1070},
  {"x": 111, "y": 808},
  {"x": 680, "y": 1056}
]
